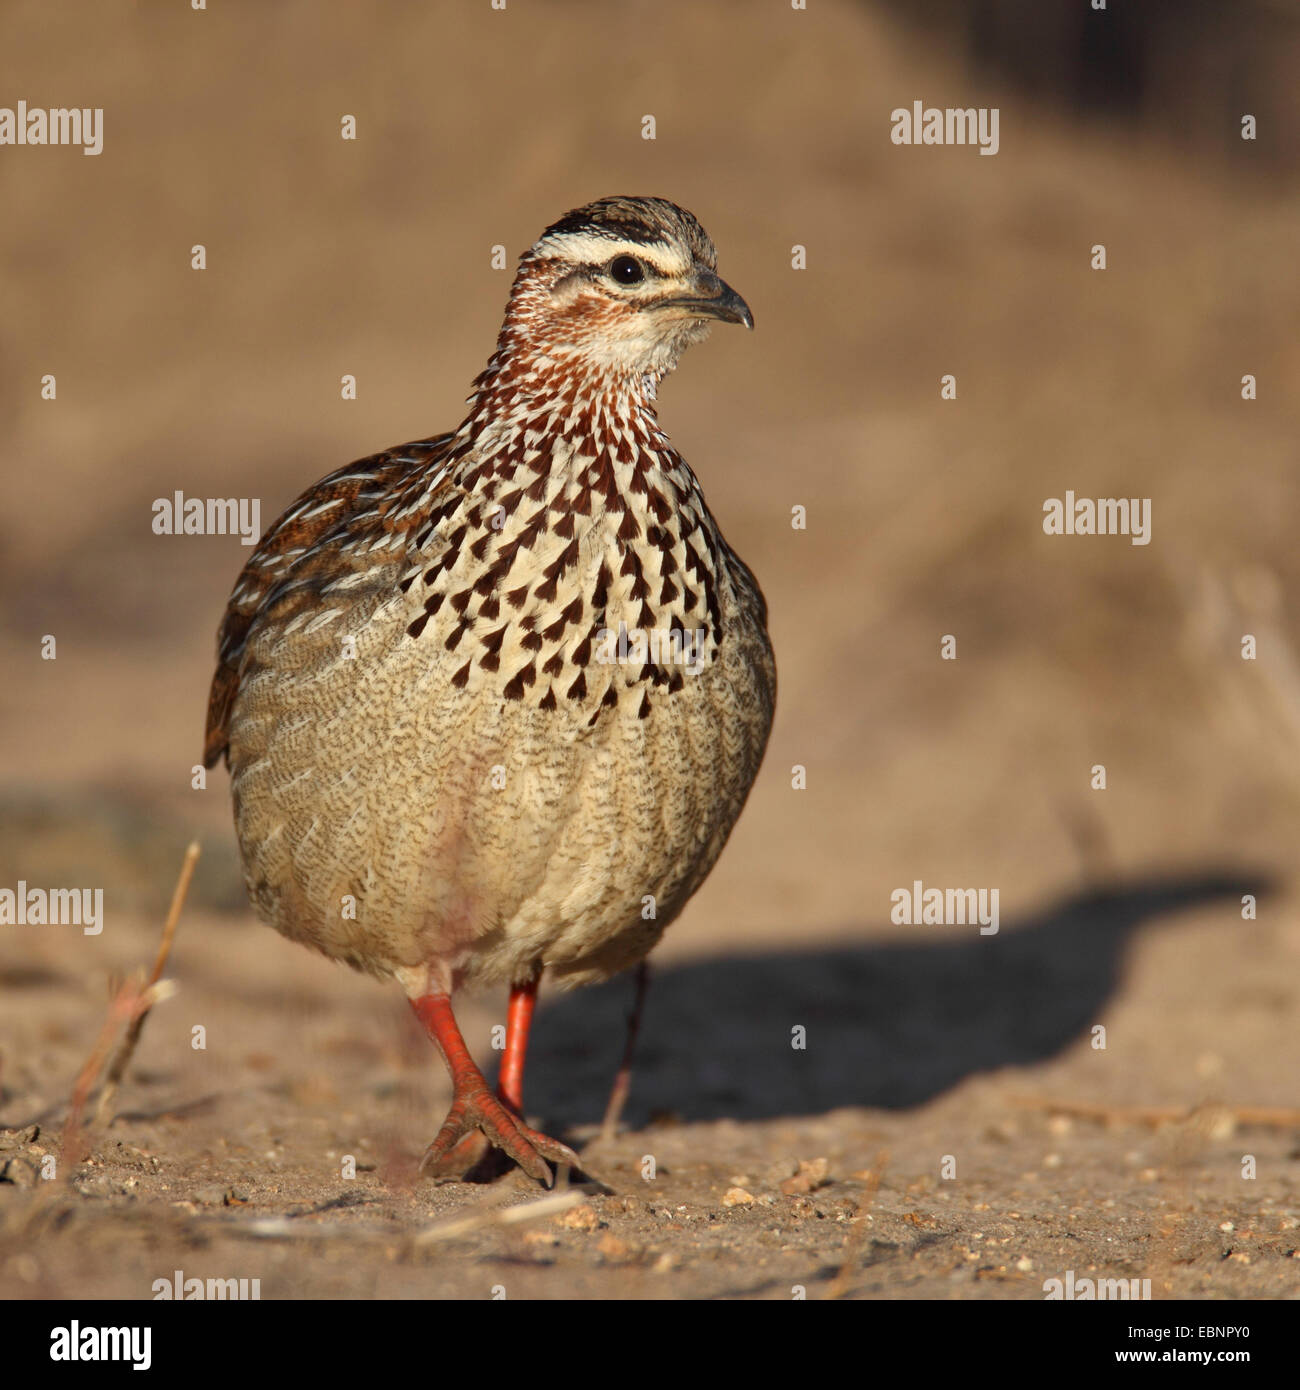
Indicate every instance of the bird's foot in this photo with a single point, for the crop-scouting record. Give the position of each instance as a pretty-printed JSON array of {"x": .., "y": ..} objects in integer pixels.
[{"x": 478, "y": 1122}]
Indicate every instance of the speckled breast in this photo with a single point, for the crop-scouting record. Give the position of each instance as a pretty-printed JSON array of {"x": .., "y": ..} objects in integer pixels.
[{"x": 524, "y": 738}]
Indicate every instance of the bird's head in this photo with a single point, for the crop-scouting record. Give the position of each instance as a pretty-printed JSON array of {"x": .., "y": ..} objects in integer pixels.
[{"x": 619, "y": 287}]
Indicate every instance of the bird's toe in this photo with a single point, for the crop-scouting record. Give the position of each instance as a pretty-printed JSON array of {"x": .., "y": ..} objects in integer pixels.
[{"x": 479, "y": 1123}]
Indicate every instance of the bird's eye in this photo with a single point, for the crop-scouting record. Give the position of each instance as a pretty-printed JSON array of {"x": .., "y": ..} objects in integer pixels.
[{"x": 626, "y": 270}]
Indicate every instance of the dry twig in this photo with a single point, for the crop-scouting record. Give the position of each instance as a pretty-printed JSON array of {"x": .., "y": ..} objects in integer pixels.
[
  {"x": 1261, "y": 1116},
  {"x": 858, "y": 1233},
  {"x": 481, "y": 1217},
  {"x": 126, "y": 1049}
]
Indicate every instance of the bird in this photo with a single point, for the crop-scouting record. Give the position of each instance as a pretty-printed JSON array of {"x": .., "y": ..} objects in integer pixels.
[{"x": 492, "y": 701}]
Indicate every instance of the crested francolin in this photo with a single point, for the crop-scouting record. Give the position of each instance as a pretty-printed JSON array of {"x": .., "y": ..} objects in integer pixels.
[{"x": 492, "y": 701}]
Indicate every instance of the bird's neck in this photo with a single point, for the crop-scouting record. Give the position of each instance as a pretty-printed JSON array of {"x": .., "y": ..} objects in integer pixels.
[{"x": 557, "y": 395}]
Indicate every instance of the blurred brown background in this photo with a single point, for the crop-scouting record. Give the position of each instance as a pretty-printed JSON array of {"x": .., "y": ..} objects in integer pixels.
[{"x": 372, "y": 257}]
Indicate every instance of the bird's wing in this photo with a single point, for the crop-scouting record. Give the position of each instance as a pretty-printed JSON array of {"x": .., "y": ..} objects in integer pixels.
[{"x": 319, "y": 539}]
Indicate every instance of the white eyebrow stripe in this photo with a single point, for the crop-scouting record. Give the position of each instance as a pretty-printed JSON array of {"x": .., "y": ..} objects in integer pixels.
[{"x": 589, "y": 248}]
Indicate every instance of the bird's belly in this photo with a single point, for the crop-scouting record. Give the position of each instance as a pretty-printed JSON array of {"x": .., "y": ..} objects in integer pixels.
[{"x": 392, "y": 821}]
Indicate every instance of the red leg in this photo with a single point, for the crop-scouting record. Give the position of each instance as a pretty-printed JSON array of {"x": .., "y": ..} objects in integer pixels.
[
  {"x": 519, "y": 1018},
  {"x": 475, "y": 1108}
]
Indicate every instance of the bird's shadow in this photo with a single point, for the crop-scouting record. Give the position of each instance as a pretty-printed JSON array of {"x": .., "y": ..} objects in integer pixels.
[{"x": 889, "y": 1025}]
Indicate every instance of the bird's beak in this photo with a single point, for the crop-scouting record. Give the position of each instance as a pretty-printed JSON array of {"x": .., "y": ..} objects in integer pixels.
[{"x": 711, "y": 298}]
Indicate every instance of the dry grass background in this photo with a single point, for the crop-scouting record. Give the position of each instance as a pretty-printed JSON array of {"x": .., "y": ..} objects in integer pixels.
[{"x": 924, "y": 518}]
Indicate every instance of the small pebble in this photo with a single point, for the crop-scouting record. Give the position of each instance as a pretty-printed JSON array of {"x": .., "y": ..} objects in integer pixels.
[
  {"x": 581, "y": 1218},
  {"x": 813, "y": 1173},
  {"x": 613, "y": 1248}
]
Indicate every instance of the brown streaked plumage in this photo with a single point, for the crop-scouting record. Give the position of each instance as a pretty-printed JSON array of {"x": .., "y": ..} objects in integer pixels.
[{"x": 439, "y": 774}]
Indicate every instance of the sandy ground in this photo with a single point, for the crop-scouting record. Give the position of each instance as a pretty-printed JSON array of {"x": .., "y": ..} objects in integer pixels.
[
  {"x": 950, "y": 1129},
  {"x": 750, "y": 1169}
]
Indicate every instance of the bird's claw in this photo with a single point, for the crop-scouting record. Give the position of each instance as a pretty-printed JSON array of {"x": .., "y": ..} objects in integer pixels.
[{"x": 478, "y": 1120}]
